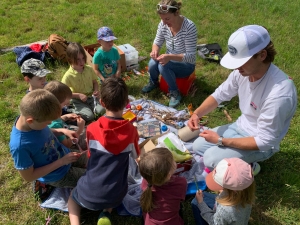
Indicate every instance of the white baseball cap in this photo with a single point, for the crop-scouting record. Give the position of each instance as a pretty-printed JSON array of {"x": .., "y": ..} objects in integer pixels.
[{"x": 243, "y": 44}]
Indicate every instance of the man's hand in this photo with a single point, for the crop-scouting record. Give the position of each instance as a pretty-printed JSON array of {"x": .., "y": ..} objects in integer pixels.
[
  {"x": 199, "y": 196},
  {"x": 193, "y": 122},
  {"x": 210, "y": 136}
]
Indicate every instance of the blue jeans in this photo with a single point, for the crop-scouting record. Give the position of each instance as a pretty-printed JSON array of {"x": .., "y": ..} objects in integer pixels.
[
  {"x": 213, "y": 154},
  {"x": 210, "y": 200},
  {"x": 170, "y": 72}
]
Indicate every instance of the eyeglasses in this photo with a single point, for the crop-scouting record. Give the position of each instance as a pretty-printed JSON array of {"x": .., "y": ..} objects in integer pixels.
[{"x": 165, "y": 8}]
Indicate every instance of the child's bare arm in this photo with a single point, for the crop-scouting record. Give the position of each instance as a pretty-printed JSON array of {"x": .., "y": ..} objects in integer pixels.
[
  {"x": 96, "y": 88},
  {"x": 118, "y": 73},
  {"x": 97, "y": 72},
  {"x": 80, "y": 96},
  {"x": 62, "y": 131},
  {"x": 32, "y": 173},
  {"x": 80, "y": 124}
]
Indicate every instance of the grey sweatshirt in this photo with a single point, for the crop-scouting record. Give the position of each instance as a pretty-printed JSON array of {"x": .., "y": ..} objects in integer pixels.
[{"x": 225, "y": 215}]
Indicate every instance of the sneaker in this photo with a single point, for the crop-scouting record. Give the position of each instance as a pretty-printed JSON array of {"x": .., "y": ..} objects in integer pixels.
[
  {"x": 175, "y": 98},
  {"x": 150, "y": 86},
  {"x": 255, "y": 168},
  {"x": 104, "y": 218}
]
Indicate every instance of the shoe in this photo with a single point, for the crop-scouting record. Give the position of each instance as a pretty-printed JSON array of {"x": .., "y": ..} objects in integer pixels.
[
  {"x": 104, "y": 218},
  {"x": 175, "y": 98},
  {"x": 255, "y": 168},
  {"x": 150, "y": 86}
]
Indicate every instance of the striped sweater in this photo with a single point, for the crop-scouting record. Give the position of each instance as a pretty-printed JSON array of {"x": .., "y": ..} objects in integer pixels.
[{"x": 184, "y": 42}]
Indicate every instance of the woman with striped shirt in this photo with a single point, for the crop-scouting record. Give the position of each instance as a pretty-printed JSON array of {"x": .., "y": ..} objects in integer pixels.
[{"x": 180, "y": 36}]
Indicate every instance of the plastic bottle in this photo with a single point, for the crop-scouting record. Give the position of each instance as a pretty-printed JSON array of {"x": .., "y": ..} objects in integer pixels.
[{"x": 164, "y": 128}]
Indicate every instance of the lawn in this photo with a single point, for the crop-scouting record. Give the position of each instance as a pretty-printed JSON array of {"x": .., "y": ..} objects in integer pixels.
[{"x": 135, "y": 22}]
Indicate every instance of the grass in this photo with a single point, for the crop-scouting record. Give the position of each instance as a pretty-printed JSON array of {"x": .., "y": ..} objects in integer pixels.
[{"x": 135, "y": 22}]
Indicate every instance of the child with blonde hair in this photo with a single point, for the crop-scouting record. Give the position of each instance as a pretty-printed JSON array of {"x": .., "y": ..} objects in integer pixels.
[
  {"x": 233, "y": 179},
  {"x": 162, "y": 192},
  {"x": 64, "y": 94},
  {"x": 82, "y": 81}
]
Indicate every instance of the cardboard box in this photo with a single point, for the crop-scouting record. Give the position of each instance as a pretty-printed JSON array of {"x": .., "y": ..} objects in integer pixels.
[
  {"x": 91, "y": 49},
  {"x": 150, "y": 143}
]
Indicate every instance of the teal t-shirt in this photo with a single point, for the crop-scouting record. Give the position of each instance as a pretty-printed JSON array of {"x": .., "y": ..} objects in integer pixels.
[
  {"x": 59, "y": 123},
  {"x": 107, "y": 61}
]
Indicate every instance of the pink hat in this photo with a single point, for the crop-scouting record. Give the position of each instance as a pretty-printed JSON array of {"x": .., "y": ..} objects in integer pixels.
[
  {"x": 232, "y": 173},
  {"x": 243, "y": 44}
]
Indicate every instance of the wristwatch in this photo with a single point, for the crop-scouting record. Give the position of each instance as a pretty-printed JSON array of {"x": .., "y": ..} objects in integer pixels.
[{"x": 220, "y": 140}]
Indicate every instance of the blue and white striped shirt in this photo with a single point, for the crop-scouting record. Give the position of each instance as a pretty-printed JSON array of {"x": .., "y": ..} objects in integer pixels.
[{"x": 184, "y": 42}]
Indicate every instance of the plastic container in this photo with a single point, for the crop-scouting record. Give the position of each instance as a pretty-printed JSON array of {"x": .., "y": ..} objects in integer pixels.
[
  {"x": 131, "y": 55},
  {"x": 192, "y": 188}
]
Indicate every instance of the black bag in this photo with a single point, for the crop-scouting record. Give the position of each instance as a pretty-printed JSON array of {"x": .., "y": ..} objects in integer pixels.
[{"x": 211, "y": 52}]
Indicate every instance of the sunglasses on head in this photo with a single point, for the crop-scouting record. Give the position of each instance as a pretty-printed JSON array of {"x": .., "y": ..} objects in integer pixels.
[{"x": 165, "y": 8}]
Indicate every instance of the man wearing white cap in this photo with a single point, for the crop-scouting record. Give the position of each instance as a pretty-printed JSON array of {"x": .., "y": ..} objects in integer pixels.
[{"x": 267, "y": 100}]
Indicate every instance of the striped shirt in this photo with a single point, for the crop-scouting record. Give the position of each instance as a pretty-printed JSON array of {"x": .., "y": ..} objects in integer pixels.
[{"x": 184, "y": 42}]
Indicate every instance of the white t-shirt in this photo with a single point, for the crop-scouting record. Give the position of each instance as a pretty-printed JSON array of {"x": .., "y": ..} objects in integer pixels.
[{"x": 267, "y": 105}]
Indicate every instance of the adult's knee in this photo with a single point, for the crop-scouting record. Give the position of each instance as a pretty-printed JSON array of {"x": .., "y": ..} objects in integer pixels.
[
  {"x": 153, "y": 64},
  {"x": 198, "y": 146},
  {"x": 211, "y": 158}
]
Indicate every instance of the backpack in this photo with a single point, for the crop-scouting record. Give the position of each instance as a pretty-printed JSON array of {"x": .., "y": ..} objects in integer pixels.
[
  {"x": 211, "y": 52},
  {"x": 57, "y": 46}
]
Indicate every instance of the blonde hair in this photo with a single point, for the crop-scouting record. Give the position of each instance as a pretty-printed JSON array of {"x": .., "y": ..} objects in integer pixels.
[
  {"x": 60, "y": 90},
  {"x": 243, "y": 197},
  {"x": 41, "y": 105},
  {"x": 155, "y": 167}
]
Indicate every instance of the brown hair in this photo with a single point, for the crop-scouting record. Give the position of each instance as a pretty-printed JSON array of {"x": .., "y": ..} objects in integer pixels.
[
  {"x": 155, "y": 167},
  {"x": 271, "y": 52},
  {"x": 72, "y": 52},
  {"x": 41, "y": 105},
  {"x": 114, "y": 94},
  {"x": 171, "y": 3},
  {"x": 243, "y": 197},
  {"x": 60, "y": 90}
]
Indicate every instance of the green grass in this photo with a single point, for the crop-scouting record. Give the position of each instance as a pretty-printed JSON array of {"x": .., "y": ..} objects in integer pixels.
[{"x": 135, "y": 22}]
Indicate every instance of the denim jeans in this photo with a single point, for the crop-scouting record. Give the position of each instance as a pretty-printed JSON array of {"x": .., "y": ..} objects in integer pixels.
[
  {"x": 210, "y": 200},
  {"x": 170, "y": 72},
  {"x": 213, "y": 154}
]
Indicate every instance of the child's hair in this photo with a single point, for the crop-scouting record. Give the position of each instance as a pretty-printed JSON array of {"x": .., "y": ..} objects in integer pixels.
[
  {"x": 114, "y": 94},
  {"x": 155, "y": 167},
  {"x": 59, "y": 90},
  {"x": 72, "y": 52},
  {"x": 29, "y": 75},
  {"x": 243, "y": 197},
  {"x": 41, "y": 105}
]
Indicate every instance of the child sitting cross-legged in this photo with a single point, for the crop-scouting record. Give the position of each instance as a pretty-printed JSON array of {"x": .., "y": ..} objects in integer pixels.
[
  {"x": 36, "y": 152},
  {"x": 63, "y": 93},
  {"x": 233, "y": 179},
  {"x": 162, "y": 192},
  {"x": 111, "y": 141},
  {"x": 82, "y": 81}
]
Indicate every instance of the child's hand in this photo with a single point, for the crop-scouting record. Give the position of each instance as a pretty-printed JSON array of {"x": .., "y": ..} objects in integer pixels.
[
  {"x": 80, "y": 124},
  {"x": 96, "y": 93},
  {"x": 83, "y": 97},
  {"x": 70, "y": 158},
  {"x": 69, "y": 116},
  {"x": 199, "y": 196}
]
